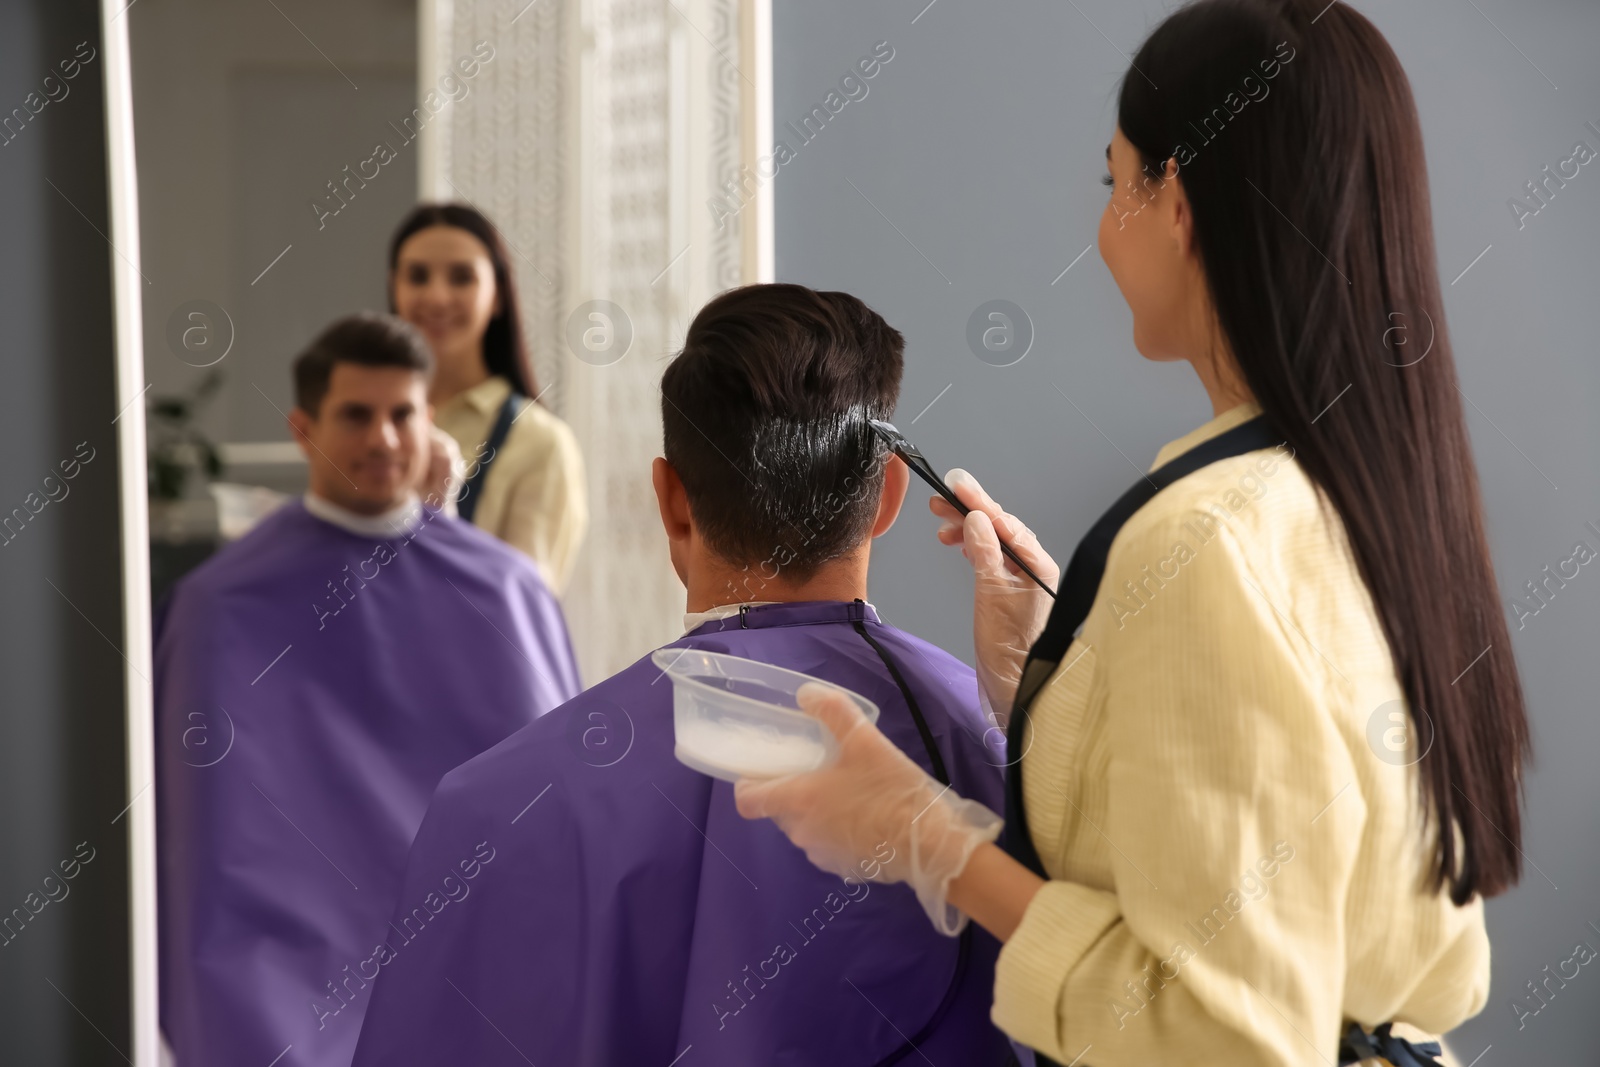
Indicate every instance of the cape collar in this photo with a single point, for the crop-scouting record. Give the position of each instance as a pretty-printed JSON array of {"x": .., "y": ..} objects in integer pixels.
[
  {"x": 692, "y": 619},
  {"x": 793, "y": 613},
  {"x": 395, "y": 522}
]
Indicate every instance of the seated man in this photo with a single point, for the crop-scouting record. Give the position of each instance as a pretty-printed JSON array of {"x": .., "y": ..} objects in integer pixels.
[
  {"x": 314, "y": 681},
  {"x": 628, "y": 913}
]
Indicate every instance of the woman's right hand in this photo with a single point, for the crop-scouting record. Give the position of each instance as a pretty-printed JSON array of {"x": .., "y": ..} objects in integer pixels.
[
  {"x": 446, "y": 472},
  {"x": 1009, "y": 611}
]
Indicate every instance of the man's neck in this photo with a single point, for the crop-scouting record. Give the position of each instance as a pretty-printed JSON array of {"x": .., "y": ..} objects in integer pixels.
[{"x": 712, "y": 586}]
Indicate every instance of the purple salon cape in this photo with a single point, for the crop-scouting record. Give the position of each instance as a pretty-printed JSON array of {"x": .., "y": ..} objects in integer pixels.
[
  {"x": 312, "y": 686},
  {"x": 577, "y": 896}
]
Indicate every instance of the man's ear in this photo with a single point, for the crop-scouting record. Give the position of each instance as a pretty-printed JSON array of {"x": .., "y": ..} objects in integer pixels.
[
  {"x": 300, "y": 423},
  {"x": 671, "y": 500},
  {"x": 896, "y": 480}
]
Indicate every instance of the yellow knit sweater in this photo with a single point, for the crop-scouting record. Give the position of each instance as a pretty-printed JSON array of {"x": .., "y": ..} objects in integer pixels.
[{"x": 1221, "y": 786}]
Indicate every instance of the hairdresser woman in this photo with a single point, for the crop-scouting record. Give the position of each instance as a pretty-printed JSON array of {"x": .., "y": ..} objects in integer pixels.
[
  {"x": 450, "y": 277},
  {"x": 1222, "y": 837}
]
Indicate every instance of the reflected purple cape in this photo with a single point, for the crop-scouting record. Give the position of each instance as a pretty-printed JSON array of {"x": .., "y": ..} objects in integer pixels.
[
  {"x": 300, "y": 731},
  {"x": 628, "y": 915}
]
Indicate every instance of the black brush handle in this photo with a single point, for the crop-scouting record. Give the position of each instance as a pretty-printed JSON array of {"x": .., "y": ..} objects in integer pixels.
[{"x": 917, "y": 463}]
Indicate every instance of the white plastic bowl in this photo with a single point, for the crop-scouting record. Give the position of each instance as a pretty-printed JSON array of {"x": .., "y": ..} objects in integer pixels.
[{"x": 736, "y": 718}]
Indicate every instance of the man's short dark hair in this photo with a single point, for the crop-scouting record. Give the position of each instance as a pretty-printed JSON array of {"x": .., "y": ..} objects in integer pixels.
[
  {"x": 365, "y": 338},
  {"x": 765, "y": 420}
]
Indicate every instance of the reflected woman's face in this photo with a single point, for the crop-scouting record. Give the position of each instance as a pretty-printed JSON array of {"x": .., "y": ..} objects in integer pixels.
[
  {"x": 1145, "y": 245},
  {"x": 443, "y": 283}
]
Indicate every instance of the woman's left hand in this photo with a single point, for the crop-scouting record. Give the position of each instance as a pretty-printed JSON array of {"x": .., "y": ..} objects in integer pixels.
[{"x": 873, "y": 813}]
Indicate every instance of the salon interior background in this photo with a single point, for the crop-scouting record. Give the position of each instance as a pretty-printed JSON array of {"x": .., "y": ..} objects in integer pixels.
[{"x": 965, "y": 172}]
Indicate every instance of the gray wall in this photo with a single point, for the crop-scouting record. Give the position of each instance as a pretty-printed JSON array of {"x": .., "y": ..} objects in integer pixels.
[
  {"x": 970, "y": 172},
  {"x": 240, "y": 124},
  {"x": 64, "y": 975}
]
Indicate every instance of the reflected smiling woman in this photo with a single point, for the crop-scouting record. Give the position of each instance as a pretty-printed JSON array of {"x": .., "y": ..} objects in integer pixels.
[
  {"x": 1266, "y": 746},
  {"x": 449, "y": 276}
]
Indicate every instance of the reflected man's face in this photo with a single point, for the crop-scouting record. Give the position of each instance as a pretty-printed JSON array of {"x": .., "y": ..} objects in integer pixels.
[{"x": 367, "y": 445}]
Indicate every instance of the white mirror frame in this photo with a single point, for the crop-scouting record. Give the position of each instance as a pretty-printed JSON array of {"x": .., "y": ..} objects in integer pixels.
[{"x": 127, "y": 318}]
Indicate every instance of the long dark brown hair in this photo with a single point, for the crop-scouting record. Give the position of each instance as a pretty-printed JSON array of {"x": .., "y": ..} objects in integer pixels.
[
  {"x": 505, "y": 352},
  {"x": 1310, "y": 200}
]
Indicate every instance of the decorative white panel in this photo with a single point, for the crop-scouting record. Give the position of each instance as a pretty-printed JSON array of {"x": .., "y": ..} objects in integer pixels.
[{"x": 594, "y": 139}]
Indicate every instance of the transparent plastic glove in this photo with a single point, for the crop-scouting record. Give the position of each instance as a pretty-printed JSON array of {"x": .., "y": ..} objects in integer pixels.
[
  {"x": 874, "y": 813},
  {"x": 446, "y": 473},
  {"x": 1008, "y": 610}
]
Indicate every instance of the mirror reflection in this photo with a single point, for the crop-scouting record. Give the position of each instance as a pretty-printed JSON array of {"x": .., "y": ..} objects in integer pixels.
[{"x": 415, "y": 269}]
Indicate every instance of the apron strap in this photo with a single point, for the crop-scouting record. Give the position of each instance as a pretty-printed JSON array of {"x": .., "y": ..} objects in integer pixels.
[
  {"x": 467, "y": 505},
  {"x": 1357, "y": 1045}
]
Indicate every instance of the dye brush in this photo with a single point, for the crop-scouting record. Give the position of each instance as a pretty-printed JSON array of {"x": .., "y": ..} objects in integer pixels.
[{"x": 914, "y": 459}]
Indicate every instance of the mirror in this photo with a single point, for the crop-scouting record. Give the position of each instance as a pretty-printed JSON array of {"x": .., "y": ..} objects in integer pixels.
[{"x": 613, "y": 151}]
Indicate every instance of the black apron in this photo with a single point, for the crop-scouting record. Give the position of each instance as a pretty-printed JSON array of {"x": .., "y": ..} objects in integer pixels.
[
  {"x": 1074, "y": 598},
  {"x": 467, "y": 502}
]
